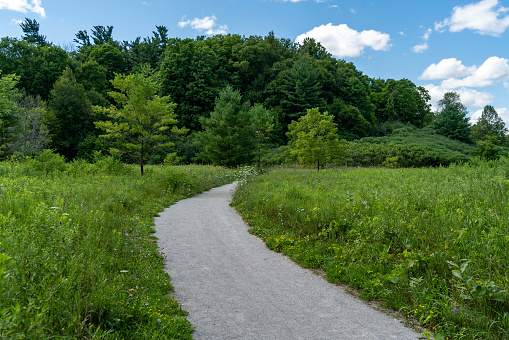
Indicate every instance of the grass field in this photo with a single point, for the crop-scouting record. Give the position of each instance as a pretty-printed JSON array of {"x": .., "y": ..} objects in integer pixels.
[
  {"x": 77, "y": 259},
  {"x": 430, "y": 242}
]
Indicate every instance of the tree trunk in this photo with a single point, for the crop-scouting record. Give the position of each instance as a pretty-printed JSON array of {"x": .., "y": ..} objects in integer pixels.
[{"x": 141, "y": 159}]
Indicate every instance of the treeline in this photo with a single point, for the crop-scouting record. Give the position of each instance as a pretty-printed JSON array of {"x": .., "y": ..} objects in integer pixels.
[{"x": 57, "y": 93}]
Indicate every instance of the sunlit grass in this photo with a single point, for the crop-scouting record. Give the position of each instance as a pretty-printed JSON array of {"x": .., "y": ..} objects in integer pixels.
[
  {"x": 77, "y": 259},
  {"x": 431, "y": 243}
]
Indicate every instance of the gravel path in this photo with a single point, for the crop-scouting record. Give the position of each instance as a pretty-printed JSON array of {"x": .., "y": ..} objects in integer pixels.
[{"x": 235, "y": 288}]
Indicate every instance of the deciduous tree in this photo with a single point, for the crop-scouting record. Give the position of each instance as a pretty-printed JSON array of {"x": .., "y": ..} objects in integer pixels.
[
  {"x": 9, "y": 117},
  {"x": 313, "y": 139},
  {"x": 490, "y": 126},
  {"x": 141, "y": 118}
]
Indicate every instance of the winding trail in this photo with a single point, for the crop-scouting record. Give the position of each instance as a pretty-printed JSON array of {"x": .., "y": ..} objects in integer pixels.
[{"x": 235, "y": 288}]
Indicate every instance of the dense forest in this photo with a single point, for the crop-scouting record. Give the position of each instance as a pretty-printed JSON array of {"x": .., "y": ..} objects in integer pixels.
[{"x": 226, "y": 100}]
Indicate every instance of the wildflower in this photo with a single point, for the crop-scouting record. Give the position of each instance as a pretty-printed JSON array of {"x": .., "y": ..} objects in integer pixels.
[
  {"x": 158, "y": 320},
  {"x": 130, "y": 295},
  {"x": 455, "y": 310},
  {"x": 126, "y": 234}
]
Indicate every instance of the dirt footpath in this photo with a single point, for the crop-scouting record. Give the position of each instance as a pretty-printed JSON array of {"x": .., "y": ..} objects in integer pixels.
[{"x": 235, "y": 288}]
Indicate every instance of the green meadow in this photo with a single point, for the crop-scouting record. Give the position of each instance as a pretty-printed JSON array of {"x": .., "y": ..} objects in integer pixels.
[
  {"x": 77, "y": 255},
  {"x": 431, "y": 243}
]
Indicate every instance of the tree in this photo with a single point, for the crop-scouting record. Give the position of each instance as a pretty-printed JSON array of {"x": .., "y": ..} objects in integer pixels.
[
  {"x": 490, "y": 126},
  {"x": 227, "y": 137},
  {"x": 141, "y": 117},
  {"x": 37, "y": 66},
  {"x": 70, "y": 118},
  {"x": 263, "y": 124},
  {"x": 400, "y": 101},
  {"x": 9, "y": 118},
  {"x": 31, "y": 29},
  {"x": 451, "y": 120},
  {"x": 33, "y": 135},
  {"x": 110, "y": 58},
  {"x": 298, "y": 88},
  {"x": 313, "y": 139},
  {"x": 189, "y": 74}
]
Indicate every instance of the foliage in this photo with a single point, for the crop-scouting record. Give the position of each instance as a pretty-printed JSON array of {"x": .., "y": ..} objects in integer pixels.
[
  {"x": 489, "y": 150},
  {"x": 142, "y": 117},
  {"x": 33, "y": 135},
  {"x": 407, "y": 147},
  {"x": 228, "y": 137},
  {"x": 77, "y": 256},
  {"x": 31, "y": 29},
  {"x": 263, "y": 124},
  {"x": 451, "y": 120},
  {"x": 401, "y": 100},
  {"x": 9, "y": 118},
  {"x": 490, "y": 126},
  {"x": 429, "y": 242},
  {"x": 70, "y": 117},
  {"x": 110, "y": 58},
  {"x": 313, "y": 139}
]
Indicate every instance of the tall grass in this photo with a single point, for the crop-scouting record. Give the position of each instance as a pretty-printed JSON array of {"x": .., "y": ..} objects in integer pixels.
[
  {"x": 77, "y": 259},
  {"x": 430, "y": 242}
]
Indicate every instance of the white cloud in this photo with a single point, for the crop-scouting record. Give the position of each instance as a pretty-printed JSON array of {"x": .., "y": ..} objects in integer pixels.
[
  {"x": 16, "y": 22},
  {"x": 23, "y": 6},
  {"x": 469, "y": 97},
  {"x": 424, "y": 46},
  {"x": 342, "y": 41},
  {"x": 447, "y": 68},
  {"x": 492, "y": 71},
  {"x": 207, "y": 24},
  {"x": 484, "y": 17}
]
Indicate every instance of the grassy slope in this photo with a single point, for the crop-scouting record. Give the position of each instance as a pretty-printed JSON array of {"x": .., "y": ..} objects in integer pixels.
[
  {"x": 76, "y": 256},
  {"x": 430, "y": 242}
]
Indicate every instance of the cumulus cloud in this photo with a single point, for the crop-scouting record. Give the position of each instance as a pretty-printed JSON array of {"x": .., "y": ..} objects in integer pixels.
[
  {"x": 494, "y": 70},
  {"x": 469, "y": 97},
  {"x": 447, "y": 68},
  {"x": 23, "y": 6},
  {"x": 207, "y": 24},
  {"x": 16, "y": 22},
  {"x": 486, "y": 17},
  {"x": 424, "y": 46},
  {"x": 342, "y": 41}
]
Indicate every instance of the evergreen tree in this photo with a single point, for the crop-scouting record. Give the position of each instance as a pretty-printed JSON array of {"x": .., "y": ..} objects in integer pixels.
[
  {"x": 451, "y": 120},
  {"x": 227, "y": 137}
]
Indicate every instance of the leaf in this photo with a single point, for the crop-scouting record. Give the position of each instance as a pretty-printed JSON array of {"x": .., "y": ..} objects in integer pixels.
[
  {"x": 457, "y": 273},
  {"x": 464, "y": 266}
]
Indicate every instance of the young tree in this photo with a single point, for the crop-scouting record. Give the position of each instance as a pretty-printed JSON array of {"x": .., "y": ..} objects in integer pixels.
[
  {"x": 313, "y": 139},
  {"x": 490, "y": 126},
  {"x": 142, "y": 118},
  {"x": 451, "y": 120},
  {"x": 263, "y": 124},
  {"x": 227, "y": 138}
]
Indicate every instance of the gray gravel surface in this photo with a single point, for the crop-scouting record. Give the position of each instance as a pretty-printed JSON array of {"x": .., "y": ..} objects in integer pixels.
[{"x": 235, "y": 288}]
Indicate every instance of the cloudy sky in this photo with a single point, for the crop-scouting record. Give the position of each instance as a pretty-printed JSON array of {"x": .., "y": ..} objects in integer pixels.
[{"x": 444, "y": 45}]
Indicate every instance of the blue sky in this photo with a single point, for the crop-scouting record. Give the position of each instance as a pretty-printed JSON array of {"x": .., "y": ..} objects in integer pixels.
[{"x": 444, "y": 45}]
